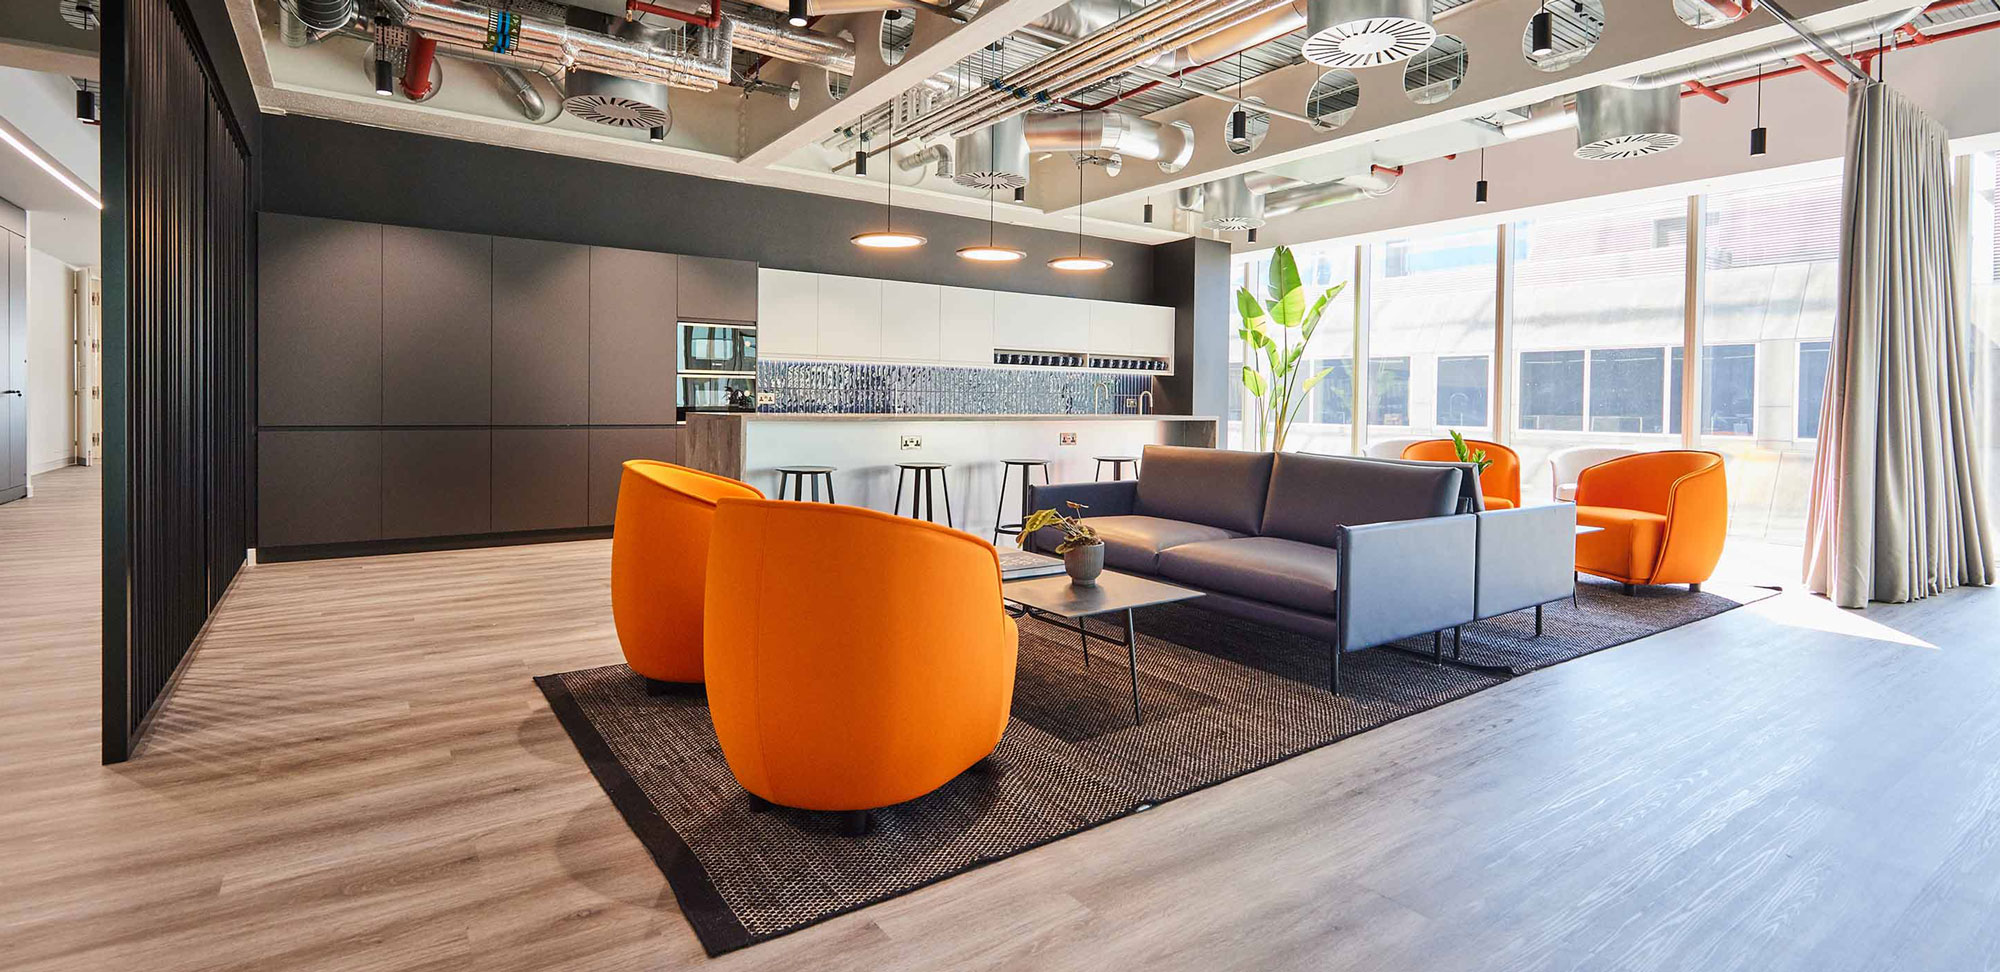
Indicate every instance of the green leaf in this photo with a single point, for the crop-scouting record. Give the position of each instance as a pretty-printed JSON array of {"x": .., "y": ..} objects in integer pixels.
[
  {"x": 1287, "y": 304},
  {"x": 1253, "y": 382},
  {"x": 1318, "y": 310}
]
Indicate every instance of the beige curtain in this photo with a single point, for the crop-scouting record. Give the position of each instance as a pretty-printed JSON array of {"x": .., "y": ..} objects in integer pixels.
[{"x": 1897, "y": 511}]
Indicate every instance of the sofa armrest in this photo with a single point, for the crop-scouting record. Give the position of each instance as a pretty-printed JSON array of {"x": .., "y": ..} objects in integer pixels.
[
  {"x": 1115, "y": 498},
  {"x": 1526, "y": 557},
  {"x": 1404, "y": 577}
]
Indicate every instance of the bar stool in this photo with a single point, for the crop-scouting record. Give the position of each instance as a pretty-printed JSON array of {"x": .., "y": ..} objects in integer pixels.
[
  {"x": 798, "y": 476},
  {"x": 1117, "y": 466},
  {"x": 1000, "y": 524},
  {"x": 923, "y": 493}
]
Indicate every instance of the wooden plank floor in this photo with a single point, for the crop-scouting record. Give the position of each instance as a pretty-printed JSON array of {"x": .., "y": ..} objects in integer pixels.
[{"x": 357, "y": 774}]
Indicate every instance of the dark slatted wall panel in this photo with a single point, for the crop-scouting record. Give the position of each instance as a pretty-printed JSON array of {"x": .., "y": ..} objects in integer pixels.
[{"x": 179, "y": 287}]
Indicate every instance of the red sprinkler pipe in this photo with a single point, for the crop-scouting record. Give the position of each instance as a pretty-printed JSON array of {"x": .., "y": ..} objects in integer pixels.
[
  {"x": 1812, "y": 64},
  {"x": 417, "y": 67},
  {"x": 713, "y": 20},
  {"x": 1696, "y": 87}
]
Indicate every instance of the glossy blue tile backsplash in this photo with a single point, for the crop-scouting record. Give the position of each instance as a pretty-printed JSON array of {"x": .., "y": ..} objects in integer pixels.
[{"x": 825, "y": 386}]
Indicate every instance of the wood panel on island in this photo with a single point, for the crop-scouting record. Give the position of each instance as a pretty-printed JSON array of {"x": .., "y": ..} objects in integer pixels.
[{"x": 421, "y": 384}]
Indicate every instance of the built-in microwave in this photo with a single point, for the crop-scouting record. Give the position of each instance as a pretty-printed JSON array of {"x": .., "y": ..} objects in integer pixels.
[{"x": 718, "y": 367}]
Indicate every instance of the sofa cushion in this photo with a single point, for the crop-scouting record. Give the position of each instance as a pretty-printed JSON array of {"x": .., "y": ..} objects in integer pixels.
[
  {"x": 1212, "y": 486},
  {"x": 1296, "y": 575},
  {"x": 1626, "y": 548},
  {"x": 1312, "y": 496},
  {"x": 1134, "y": 542}
]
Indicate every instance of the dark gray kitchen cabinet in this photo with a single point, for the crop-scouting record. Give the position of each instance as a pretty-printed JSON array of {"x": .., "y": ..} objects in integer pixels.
[
  {"x": 541, "y": 333},
  {"x": 437, "y": 327},
  {"x": 633, "y": 324},
  {"x": 319, "y": 321},
  {"x": 609, "y": 448},
  {"x": 718, "y": 290},
  {"x": 318, "y": 486},
  {"x": 540, "y": 479},
  {"x": 436, "y": 482}
]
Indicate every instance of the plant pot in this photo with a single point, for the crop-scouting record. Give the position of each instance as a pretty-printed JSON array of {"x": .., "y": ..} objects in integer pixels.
[{"x": 1083, "y": 564}]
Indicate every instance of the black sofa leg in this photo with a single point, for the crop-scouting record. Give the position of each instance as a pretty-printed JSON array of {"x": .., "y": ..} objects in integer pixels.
[
  {"x": 1334, "y": 682},
  {"x": 1694, "y": 588},
  {"x": 857, "y": 823},
  {"x": 1538, "y": 620},
  {"x": 1458, "y": 643},
  {"x": 1437, "y": 648},
  {"x": 1630, "y": 591}
]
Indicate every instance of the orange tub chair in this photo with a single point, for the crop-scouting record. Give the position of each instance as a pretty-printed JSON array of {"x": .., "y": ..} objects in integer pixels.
[
  {"x": 1665, "y": 515},
  {"x": 1500, "y": 484},
  {"x": 659, "y": 559},
  {"x": 855, "y": 659}
]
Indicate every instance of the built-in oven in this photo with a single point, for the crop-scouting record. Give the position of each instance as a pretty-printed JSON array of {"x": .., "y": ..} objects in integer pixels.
[{"x": 718, "y": 367}]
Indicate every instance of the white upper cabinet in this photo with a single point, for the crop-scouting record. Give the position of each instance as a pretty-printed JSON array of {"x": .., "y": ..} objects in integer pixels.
[
  {"x": 787, "y": 313},
  {"x": 1038, "y": 322},
  {"x": 1153, "y": 331},
  {"x": 965, "y": 325},
  {"x": 850, "y": 318},
  {"x": 1111, "y": 327},
  {"x": 910, "y": 314}
]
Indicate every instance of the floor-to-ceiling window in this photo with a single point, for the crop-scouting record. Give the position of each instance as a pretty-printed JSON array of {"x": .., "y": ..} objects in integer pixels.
[
  {"x": 1770, "y": 258},
  {"x": 1430, "y": 335},
  {"x": 1599, "y": 314}
]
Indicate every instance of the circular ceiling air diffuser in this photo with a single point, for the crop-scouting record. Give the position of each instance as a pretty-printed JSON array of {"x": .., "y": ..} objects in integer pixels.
[
  {"x": 1365, "y": 33},
  {"x": 995, "y": 157},
  {"x": 1626, "y": 123},
  {"x": 615, "y": 101},
  {"x": 1228, "y": 204}
]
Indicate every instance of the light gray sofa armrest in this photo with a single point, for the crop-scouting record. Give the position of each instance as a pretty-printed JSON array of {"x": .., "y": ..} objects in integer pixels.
[
  {"x": 1404, "y": 578},
  {"x": 1526, "y": 557},
  {"x": 1115, "y": 498}
]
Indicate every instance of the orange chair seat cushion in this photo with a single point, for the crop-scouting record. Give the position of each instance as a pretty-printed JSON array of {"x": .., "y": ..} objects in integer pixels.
[
  {"x": 1626, "y": 548},
  {"x": 1498, "y": 503}
]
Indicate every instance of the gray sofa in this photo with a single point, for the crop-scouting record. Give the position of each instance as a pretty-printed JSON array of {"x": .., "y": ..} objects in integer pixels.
[{"x": 1355, "y": 552}]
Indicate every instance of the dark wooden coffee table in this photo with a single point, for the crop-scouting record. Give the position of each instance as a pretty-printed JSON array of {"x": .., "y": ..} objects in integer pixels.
[{"x": 1054, "y": 600}]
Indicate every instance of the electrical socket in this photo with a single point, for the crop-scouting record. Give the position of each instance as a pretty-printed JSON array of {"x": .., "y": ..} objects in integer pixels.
[
  {"x": 767, "y": 398},
  {"x": 912, "y": 442},
  {"x": 1066, "y": 438}
]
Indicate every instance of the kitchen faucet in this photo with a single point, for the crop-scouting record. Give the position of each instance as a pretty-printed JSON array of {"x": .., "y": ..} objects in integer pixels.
[{"x": 1146, "y": 402}]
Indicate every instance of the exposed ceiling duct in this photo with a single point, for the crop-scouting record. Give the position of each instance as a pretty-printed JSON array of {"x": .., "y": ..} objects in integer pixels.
[
  {"x": 994, "y": 157},
  {"x": 1625, "y": 123},
  {"x": 1868, "y": 30},
  {"x": 320, "y": 15},
  {"x": 787, "y": 43},
  {"x": 1228, "y": 204},
  {"x": 1110, "y": 131},
  {"x": 620, "y": 102},
  {"x": 1248, "y": 201},
  {"x": 546, "y": 46},
  {"x": 1364, "y": 33}
]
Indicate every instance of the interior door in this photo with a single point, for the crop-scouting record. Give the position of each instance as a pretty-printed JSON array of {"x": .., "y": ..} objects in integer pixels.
[{"x": 14, "y": 372}]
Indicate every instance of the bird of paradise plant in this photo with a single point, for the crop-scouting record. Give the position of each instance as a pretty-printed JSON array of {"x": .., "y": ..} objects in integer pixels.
[{"x": 1276, "y": 332}]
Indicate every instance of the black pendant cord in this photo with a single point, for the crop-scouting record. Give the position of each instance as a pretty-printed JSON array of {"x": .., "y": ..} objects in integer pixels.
[
  {"x": 889, "y": 175},
  {"x": 1079, "y": 188}
]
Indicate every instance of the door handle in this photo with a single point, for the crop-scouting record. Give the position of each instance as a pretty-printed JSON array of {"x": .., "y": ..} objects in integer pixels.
[{"x": 11, "y": 391}]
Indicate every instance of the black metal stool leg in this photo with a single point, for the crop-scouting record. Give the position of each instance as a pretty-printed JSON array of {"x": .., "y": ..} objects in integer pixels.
[
  {"x": 944, "y": 477},
  {"x": 829, "y": 489},
  {"x": 898, "y": 508},
  {"x": 1000, "y": 513},
  {"x": 815, "y": 479}
]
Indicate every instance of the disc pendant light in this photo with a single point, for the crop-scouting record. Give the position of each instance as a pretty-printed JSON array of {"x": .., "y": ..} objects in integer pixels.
[
  {"x": 888, "y": 237},
  {"x": 991, "y": 252},
  {"x": 1079, "y": 263}
]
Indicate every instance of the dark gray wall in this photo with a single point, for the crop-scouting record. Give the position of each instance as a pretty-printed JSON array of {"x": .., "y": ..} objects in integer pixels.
[
  {"x": 314, "y": 167},
  {"x": 1192, "y": 275}
]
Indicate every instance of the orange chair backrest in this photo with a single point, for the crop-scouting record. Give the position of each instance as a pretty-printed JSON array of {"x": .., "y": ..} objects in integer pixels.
[
  {"x": 835, "y": 632},
  {"x": 659, "y": 564},
  {"x": 1502, "y": 478},
  {"x": 1643, "y": 481}
]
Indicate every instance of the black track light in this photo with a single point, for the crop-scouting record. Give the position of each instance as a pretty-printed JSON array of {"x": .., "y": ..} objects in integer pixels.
[
  {"x": 1253, "y": 236},
  {"x": 658, "y": 134},
  {"x": 797, "y": 15},
  {"x": 1757, "y": 145},
  {"x": 1479, "y": 192},
  {"x": 1020, "y": 193},
  {"x": 86, "y": 106},
  {"x": 1542, "y": 34},
  {"x": 385, "y": 77},
  {"x": 861, "y": 162},
  {"x": 1239, "y": 125},
  {"x": 1149, "y": 212}
]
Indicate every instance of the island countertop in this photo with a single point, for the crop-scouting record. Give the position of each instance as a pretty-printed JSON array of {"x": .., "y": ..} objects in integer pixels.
[{"x": 865, "y": 451}]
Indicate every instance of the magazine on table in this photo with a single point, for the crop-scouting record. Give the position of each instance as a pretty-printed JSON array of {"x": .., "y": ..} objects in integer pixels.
[{"x": 1018, "y": 564}]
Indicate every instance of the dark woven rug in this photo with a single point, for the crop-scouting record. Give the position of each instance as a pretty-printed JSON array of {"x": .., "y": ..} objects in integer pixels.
[{"x": 1221, "y": 698}]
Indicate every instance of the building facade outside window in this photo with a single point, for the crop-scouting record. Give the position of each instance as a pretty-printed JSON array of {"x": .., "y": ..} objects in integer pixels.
[{"x": 1430, "y": 335}]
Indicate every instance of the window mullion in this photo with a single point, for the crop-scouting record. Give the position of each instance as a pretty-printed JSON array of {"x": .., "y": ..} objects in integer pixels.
[
  {"x": 1502, "y": 418},
  {"x": 1691, "y": 363},
  {"x": 1358, "y": 371}
]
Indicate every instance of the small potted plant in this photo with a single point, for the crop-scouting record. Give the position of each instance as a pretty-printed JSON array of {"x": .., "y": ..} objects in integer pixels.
[
  {"x": 1081, "y": 548},
  {"x": 1467, "y": 453}
]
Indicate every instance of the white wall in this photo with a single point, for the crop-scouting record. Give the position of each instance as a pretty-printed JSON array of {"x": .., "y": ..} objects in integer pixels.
[
  {"x": 1806, "y": 116},
  {"x": 51, "y": 412}
]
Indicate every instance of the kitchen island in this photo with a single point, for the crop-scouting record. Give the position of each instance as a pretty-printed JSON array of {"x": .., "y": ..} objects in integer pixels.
[{"x": 865, "y": 448}]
